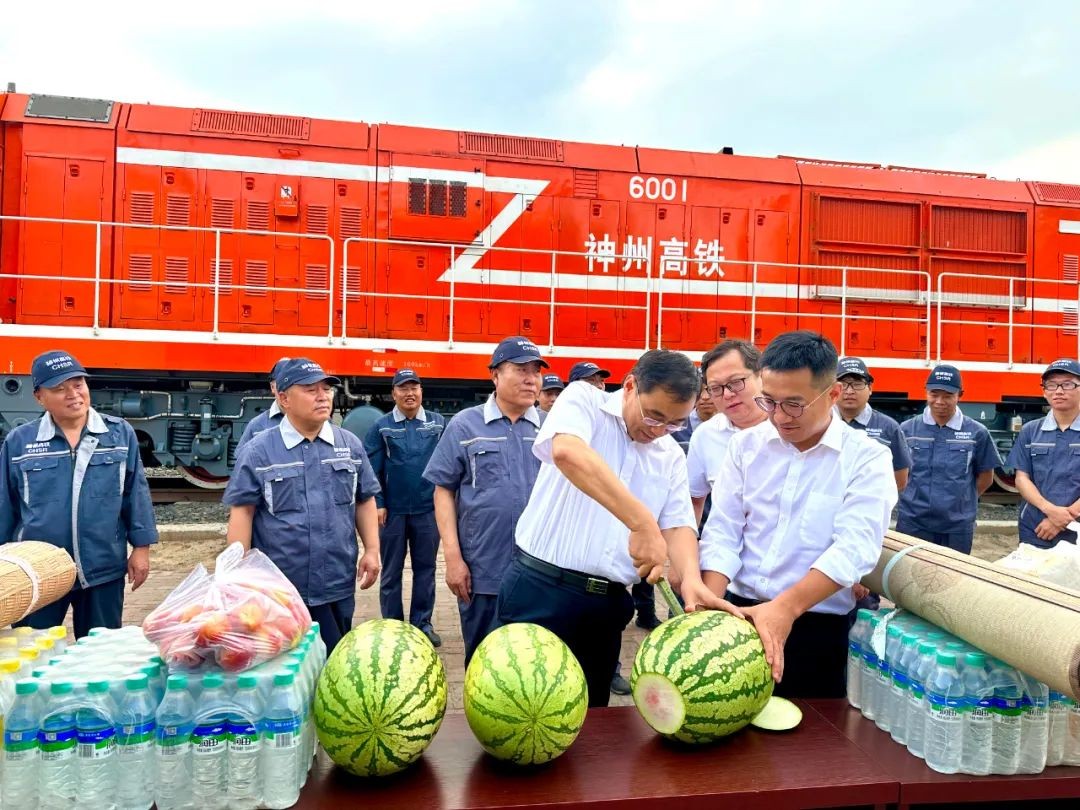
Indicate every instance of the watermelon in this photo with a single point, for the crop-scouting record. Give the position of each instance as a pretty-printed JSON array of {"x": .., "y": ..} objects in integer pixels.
[
  {"x": 701, "y": 676},
  {"x": 380, "y": 698},
  {"x": 525, "y": 694}
]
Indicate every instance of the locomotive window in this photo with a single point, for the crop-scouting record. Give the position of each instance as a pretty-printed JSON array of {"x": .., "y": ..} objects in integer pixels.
[
  {"x": 417, "y": 196},
  {"x": 437, "y": 198},
  {"x": 458, "y": 199}
]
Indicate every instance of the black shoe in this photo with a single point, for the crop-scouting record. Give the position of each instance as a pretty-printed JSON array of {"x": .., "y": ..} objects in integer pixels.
[
  {"x": 619, "y": 685},
  {"x": 432, "y": 636},
  {"x": 648, "y": 622}
]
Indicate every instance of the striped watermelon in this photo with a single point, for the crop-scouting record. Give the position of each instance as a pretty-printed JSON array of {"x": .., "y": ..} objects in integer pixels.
[
  {"x": 525, "y": 694},
  {"x": 701, "y": 676},
  {"x": 380, "y": 699}
]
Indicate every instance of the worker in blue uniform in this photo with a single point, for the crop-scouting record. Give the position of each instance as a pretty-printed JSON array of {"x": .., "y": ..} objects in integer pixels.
[
  {"x": 399, "y": 445},
  {"x": 549, "y": 392},
  {"x": 854, "y": 408},
  {"x": 952, "y": 463},
  {"x": 74, "y": 478},
  {"x": 268, "y": 418},
  {"x": 483, "y": 470},
  {"x": 590, "y": 373},
  {"x": 301, "y": 492},
  {"x": 1046, "y": 457}
]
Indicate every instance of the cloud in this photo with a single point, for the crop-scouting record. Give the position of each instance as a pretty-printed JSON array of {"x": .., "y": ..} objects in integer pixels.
[{"x": 1054, "y": 160}]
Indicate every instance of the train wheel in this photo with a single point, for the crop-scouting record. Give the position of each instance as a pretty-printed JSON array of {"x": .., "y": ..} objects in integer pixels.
[
  {"x": 201, "y": 478},
  {"x": 1006, "y": 480}
]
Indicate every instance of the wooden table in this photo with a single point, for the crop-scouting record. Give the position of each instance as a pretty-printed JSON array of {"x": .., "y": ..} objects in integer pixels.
[
  {"x": 619, "y": 762},
  {"x": 922, "y": 785}
]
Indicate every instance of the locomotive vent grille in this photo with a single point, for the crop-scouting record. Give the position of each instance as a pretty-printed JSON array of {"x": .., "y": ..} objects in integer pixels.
[
  {"x": 318, "y": 219},
  {"x": 1069, "y": 319},
  {"x": 352, "y": 282},
  {"x": 350, "y": 222},
  {"x": 316, "y": 277},
  {"x": 141, "y": 269},
  {"x": 142, "y": 207},
  {"x": 509, "y": 146},
  {"x": 178, "y": 210},
  {"x": 176, "y": 274},
  {"x": 1058, "y": 193},
  {"x": 256, "y": 277},
  {"x": 1070, "y": 267},
  {"x": 253, "y": 125},
  {"x": 258, "y": 215},
  {"x": 222, "y": 213},
  {"x": 226, "y": 278}
]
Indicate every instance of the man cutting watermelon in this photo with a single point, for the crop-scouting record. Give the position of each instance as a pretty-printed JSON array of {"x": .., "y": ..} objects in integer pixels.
[
  {"x": 799, "y": 509},
  {"x": 610, "y": 505}
]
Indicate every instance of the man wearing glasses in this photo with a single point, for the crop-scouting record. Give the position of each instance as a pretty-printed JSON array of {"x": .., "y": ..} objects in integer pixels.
[
  {"x": 730, "y": 371},
  {"x": 798, "y": 518},
  {"x": 1046, "y": 457},
  {"x": 854, "y": 408},
  {"x": 610, "y": 506},
  {"x": 952, "y": 463}
]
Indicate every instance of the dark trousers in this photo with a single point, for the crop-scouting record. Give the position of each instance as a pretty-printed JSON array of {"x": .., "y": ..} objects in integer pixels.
[
  {"x": 815, "y": 655},
  {"x": 957, "y": 541},
  {"x": 591, "y": 625},
  {"x": 644, "y": 599},
  {"x": 419, "y": 536},
  {"x": 477, "y": 620},
  {"x": 98, "y": 606},
  {"x": 335, "y": 620}
]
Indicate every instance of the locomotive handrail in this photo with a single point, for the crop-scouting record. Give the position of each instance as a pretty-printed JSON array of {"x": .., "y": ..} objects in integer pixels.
[
  {"x": 1013, "y": 305},
  {"x": 465, "y": 247},
  {"x": 216, "y": 285}
]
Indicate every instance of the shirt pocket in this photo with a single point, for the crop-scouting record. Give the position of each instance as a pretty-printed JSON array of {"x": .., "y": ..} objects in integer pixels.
[
  {"x": 283, "y": 490},
  {"x": 1040, "y": 461},
  {"x": 819, "y": 518},
  {"x": 487, "y": 465},
  {"x": 105, "y": 474},
  {"x": 958, "y": 458},
  {"x": 343, "y": 480},
  {"x": 40, "y": 480},
  {"x": 397, "y": 450}
]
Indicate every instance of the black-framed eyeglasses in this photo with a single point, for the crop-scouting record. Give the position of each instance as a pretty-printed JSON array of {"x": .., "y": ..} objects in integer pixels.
[
  {"x": 854, "y": 385},
  {"x": 670, "y": 427},
  {"x": 792, "y": 409},
  {"x": 734, "y": 386},
  {"x": 1067, "y": 385}
]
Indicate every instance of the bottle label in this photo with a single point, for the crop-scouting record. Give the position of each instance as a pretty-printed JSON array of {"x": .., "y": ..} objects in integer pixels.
[
  {"x": 944, "y": 707},
  {"x": 209, "y": 740},
  {"x": 1006, "y": 707},
  {"x": 853, "y": 649},
  {"x": 134, "y": 740},
  {"x": 57, "y": 746},
  {"x": 917, "y": 692},
  {"x": 869, "y": 657},
  {"x": 900, "y": 681},
  {"x": 243, "y": 738},
  {"x": 20, "y": 746},
  {"x": 97, "y": 744},
  {"x": 283, "y": 734},
  {"x": 174, "y": 741}
]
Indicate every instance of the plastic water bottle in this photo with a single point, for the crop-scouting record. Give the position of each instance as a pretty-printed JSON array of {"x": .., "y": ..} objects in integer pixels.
[
  {"x": 95, "y": 731},
  {"x": 885, "y": 707},
  {"x": 856, "y": 640},
  {"x": 175, "y": 723},
  {"x": 281, "y": 752},
  {"x": 209, "y": 741},
  {"x": 135, "y": 734},
  {"x": 1005, "y": 711},
  {"x": 1034, "y": 729},
  {"x": 1072, "y": 740},
  {"x": 916, "y": 718},
  {"x": 245, "y": 745},
  {"x": 868, "y": 672},
  {"x": 944, "y": 718},
  {"x": 57, "y": 741},
  {"x": 21, "y": 753},
  {"x": 900, "y": 687},
  {"x": 978, "y": 724},
  {"x": 1058, "y": 721}
]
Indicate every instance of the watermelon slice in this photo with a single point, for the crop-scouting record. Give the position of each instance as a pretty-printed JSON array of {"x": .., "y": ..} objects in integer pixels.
[
  {"x": 660, "y": 703},
  {"x": 779, "y": 714}
]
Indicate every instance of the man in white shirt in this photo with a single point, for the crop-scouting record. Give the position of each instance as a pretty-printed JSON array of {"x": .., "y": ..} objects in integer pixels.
[
  {"x": 798, "y": 517},
  {"x": 610, "y": 505},
  {"x": 732, "y": 380}
]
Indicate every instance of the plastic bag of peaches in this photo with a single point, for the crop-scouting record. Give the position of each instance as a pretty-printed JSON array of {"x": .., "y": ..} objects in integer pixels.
[{"x": 245, "y": 613}]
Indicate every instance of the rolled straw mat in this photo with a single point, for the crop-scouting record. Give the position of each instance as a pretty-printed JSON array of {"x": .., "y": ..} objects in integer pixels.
[
  {"x": 1029, "y": 624},
  {"x": 32, "y": 575}
]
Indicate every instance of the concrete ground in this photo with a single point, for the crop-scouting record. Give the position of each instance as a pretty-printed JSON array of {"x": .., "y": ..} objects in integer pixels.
[{"x": 183, "y": 547}]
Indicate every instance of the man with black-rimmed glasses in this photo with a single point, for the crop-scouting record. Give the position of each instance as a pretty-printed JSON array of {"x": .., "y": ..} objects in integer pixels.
[{"x": 798, "y": 518}]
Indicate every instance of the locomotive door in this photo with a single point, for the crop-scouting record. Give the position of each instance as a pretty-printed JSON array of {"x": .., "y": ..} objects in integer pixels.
[{"x": 777, "y": 285}]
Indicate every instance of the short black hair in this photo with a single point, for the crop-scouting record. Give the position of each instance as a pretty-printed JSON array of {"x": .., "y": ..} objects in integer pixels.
[
  {"x": 672, "y": 371},
  {"x": 750, "y": 354},
  {"x": 792, "y": 351}
]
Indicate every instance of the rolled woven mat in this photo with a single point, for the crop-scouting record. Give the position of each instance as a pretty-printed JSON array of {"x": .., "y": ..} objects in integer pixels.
[
  {"x": 32, "y": 575},
  {"x": 1027, "y": 623}
]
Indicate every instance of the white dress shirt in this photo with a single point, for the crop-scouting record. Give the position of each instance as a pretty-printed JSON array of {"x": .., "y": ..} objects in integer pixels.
[
  {"x": 564, "y": 526},
  {"x": 778, "y": 512},
  {"x": 708, "y": 448}
]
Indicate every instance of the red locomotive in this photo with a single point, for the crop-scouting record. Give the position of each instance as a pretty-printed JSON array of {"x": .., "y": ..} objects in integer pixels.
[{"x": 179, "y": 252}]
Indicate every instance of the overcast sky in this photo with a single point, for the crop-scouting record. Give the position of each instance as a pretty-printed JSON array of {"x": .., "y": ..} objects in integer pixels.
[{"x": 976, "y": 86}]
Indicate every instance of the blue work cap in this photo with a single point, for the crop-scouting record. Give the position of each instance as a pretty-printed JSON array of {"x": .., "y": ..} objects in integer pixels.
[
  {"x": 302, "y": 371},
  {"x": 55, "y": 367}
]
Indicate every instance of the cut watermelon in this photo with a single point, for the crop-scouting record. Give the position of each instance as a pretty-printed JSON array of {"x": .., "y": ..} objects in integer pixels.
[
  {"x": 660, "y": 703},
  {"x": 779, "y": 714}
]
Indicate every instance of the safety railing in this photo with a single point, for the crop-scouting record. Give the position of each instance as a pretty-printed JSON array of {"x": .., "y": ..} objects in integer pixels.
[
  {"x": 98, "y": 281},
  {"x": 1020, "y": 297}
]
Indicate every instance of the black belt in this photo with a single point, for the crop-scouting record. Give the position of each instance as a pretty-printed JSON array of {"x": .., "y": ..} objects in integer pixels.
[{"x": 598, "y": 586}]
